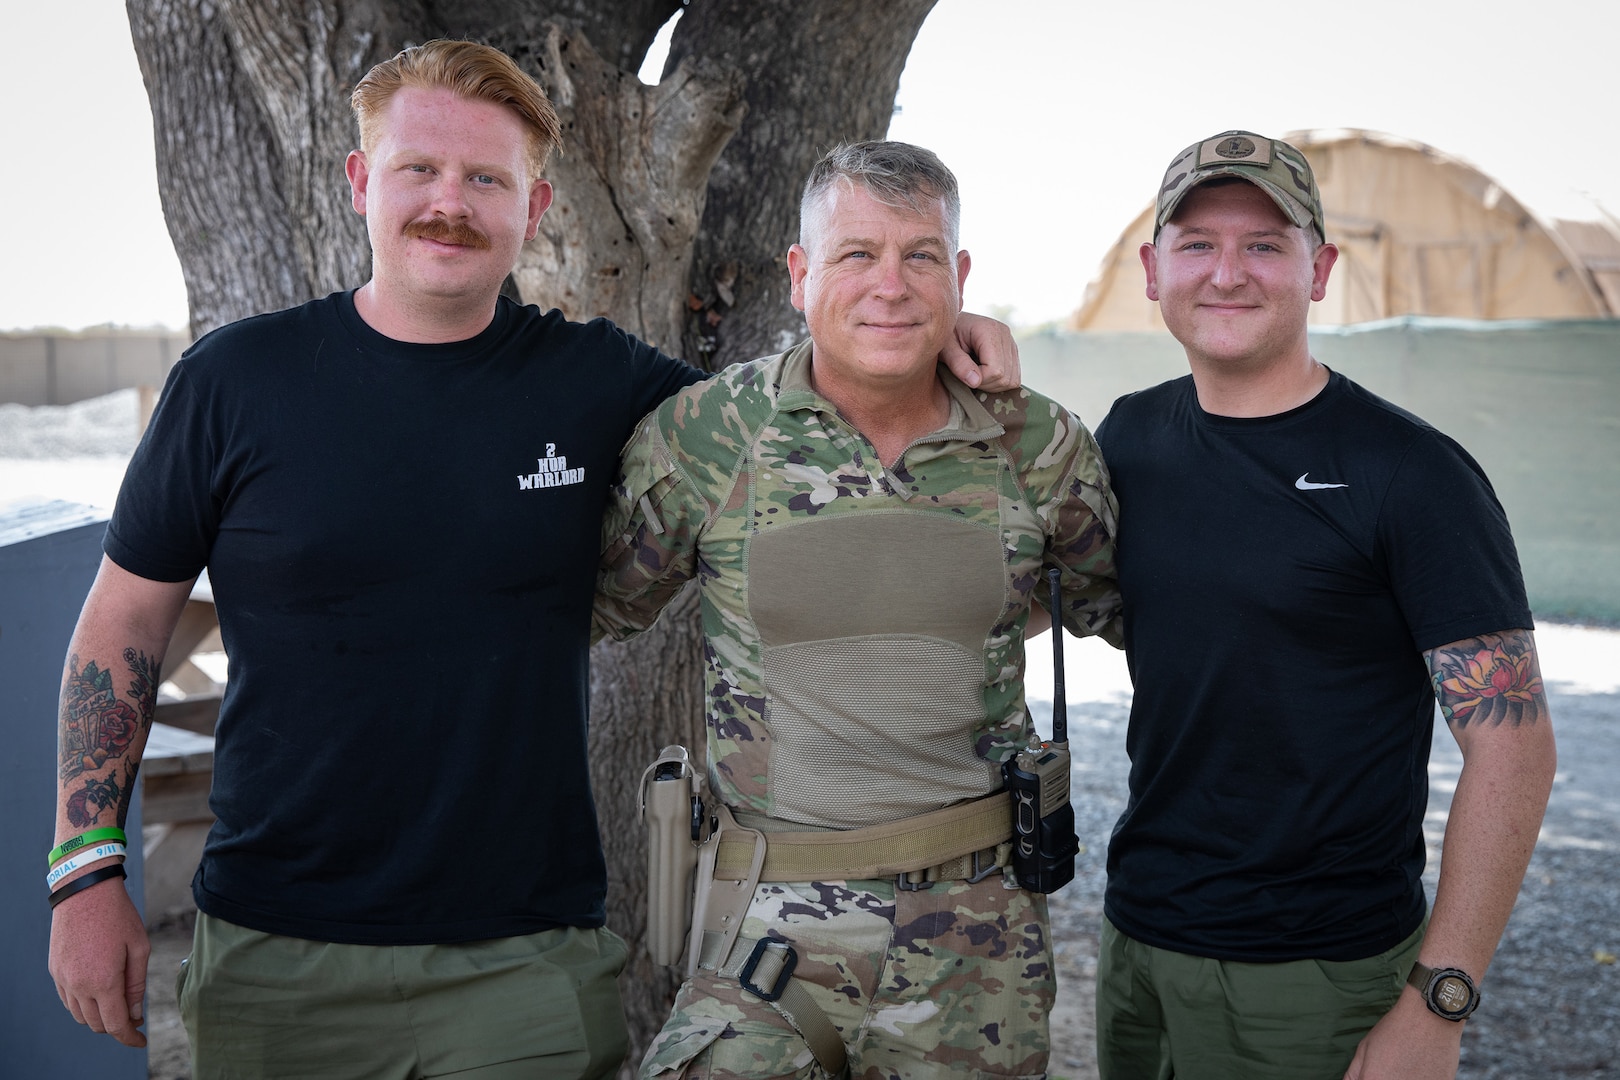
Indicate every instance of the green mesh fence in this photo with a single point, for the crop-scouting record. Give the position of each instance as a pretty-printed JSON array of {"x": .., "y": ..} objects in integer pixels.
[{"x": 1537, "y": 403}]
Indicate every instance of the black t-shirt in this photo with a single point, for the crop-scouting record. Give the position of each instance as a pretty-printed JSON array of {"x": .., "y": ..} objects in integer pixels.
[
  {"x": 1282, "y": 577},
  {"x": 401, "y": 541}
]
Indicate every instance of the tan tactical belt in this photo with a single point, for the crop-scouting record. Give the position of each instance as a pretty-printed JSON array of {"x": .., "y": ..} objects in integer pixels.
[{"x": 958, "y": 842}]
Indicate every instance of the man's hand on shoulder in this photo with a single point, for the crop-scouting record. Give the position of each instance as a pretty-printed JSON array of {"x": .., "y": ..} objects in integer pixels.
[
  {"x": 991, "y": 342},
  {"x": 1409, "y": 1043},
  {"x": 99, "y": 949}
]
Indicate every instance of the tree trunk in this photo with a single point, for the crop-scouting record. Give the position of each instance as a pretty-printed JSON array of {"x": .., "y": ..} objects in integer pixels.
[
  {"x": 817, "y": 74},
  {"x": 630, "y": 185},
  {"x": 675, "y": 208},
  {"x": 218, "y": 167}
]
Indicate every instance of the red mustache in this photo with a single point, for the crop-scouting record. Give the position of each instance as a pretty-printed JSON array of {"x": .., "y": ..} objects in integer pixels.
[{"x": 447, "y": 232}]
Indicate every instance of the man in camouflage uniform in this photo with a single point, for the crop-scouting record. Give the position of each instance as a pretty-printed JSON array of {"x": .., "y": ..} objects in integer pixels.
[{"x": 869, "y": 535}]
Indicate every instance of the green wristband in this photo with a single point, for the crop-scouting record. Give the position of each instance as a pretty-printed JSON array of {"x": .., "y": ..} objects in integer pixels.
[{"x": 94, "y": 836}]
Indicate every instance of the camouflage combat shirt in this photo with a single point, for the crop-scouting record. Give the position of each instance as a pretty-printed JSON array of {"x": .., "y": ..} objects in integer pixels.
[{"x": 863, "y": 623}]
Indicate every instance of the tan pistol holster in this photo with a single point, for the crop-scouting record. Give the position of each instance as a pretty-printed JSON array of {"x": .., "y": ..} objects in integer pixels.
[{"x": 671, "y": 806}]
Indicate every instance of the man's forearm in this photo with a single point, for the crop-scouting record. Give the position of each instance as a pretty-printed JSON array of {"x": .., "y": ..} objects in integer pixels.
[
  {"x": 109, "y": 697},
  {"x": 107, "y": 707},
  {"x": 1495, "y": 814},
  {"x": 1491, "y": 831},
  {"x": 98, "y": 946}
]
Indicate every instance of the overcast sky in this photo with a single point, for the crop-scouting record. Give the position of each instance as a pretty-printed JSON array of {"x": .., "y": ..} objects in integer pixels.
[{"x": 1058, "y": 117}]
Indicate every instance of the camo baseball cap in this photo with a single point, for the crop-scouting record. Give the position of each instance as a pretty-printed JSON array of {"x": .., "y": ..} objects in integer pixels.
[{"x": 1272, "y": 165}]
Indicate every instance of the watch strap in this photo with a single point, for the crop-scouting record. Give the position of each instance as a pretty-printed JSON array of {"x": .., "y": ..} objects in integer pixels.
[{"x": 1419, "y": 976}]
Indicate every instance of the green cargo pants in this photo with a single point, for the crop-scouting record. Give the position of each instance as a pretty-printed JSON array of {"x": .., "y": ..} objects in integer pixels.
[
  {"x": 1163, "y": 1014},
  {"x": 258, "y": 1005}
]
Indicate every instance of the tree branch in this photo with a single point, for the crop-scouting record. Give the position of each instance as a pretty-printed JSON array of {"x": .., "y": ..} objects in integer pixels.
[{"x": 630, "y": 182}]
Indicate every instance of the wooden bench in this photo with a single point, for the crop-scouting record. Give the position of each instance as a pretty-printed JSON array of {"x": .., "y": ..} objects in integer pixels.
[
  {"x": 197, "y": 631},
  {"x": 177, "y": 772}
]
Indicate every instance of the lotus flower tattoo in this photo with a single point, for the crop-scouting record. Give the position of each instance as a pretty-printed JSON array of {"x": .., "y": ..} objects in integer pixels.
[{"x": 1490, "y": 685}]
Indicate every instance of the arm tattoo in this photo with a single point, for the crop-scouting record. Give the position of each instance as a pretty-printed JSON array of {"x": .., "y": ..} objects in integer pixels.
[
  {"x": 86, "y": 805},
  {"x": 131, "y": 768},
  {"x": 1490, "y": 679},
  {"x": 143, "y": 688},
  {"x": 96, "y": 726}
]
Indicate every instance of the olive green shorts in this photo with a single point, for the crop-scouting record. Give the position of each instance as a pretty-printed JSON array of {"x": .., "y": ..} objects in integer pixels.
[
  {"x": 1164, "y": 1014},
  {"x": 258, "y": 1005}
]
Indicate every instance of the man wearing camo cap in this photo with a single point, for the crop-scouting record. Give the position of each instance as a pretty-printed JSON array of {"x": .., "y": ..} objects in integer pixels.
[
  {"x": 1307, "y": 570},
  {"x": 869, "y": 536}
]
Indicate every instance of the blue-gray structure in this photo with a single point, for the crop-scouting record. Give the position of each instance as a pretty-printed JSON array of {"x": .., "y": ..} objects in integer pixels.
[{"x": 49, "y": 552}]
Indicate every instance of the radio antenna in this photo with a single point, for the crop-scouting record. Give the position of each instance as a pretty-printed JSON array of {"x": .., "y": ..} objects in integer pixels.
[{"x": 1060, "y": 705}]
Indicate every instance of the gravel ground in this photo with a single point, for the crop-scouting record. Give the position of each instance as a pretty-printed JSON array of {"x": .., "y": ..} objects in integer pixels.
[
  {"x": 1551, "y": 1000},
  {"x": 167, "y": 1055},
  {"x": 96, "y": 427}
]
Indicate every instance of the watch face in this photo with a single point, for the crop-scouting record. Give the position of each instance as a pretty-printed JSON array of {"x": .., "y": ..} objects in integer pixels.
[{"x": 1451, "y": 994}]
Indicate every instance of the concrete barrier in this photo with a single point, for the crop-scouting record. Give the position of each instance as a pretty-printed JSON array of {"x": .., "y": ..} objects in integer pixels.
[{"x": 59, "y": 367}]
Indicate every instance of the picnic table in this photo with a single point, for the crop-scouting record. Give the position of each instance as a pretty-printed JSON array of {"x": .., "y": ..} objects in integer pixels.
[{"x": 177, "y": 769}]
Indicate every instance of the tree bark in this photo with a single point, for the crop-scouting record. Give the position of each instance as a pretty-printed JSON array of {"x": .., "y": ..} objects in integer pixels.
[
  {"x": 675, "y": 208},
  {"x": 817, "y": 74},
  {"x": 218, "y": 169},
  {"x": 630, "y": 186}
]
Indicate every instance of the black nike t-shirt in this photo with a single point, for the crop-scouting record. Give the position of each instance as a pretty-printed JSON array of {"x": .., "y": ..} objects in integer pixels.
[{"x": 1282, "y": 577}]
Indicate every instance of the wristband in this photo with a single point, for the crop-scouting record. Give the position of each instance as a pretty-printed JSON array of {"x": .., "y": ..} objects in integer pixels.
[
  {"x": 94, "y": 836},
  {"x": 94, "y": 877},
  {"x": 83, "y": 859}
]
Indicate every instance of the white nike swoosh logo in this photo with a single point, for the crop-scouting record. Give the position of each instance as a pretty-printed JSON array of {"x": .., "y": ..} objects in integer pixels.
[{"x": 1305, "y": 485}]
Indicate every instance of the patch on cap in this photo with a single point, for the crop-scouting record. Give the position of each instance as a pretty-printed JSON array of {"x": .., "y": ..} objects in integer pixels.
[{"x": 1228, "y": 148}]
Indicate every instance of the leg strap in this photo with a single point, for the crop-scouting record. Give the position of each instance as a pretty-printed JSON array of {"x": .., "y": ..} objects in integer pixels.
[{"x": 766, "y": 971}]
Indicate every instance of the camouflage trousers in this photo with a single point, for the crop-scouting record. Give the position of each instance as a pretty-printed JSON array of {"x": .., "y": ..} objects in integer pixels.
[{"x": 952, "y": 980}]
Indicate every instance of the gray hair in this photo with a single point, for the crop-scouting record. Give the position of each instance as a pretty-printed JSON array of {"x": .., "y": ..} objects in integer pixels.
[{"x": 896, "y": 174}]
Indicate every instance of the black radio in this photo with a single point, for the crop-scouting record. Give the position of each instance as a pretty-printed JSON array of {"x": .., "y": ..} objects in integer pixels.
[{"x": 1044, "y": 840}]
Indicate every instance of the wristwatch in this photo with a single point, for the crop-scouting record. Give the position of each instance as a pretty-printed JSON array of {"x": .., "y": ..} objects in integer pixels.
[{"x": 1448, "y": 992}]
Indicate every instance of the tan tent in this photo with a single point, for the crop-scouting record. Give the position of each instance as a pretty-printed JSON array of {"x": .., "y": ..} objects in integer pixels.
[
  {"x": 1597, "y": 245},
  {"x": 1419, "y": 233}
]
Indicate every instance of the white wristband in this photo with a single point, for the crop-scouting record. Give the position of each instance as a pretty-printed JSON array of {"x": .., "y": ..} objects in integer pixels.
[{"x": 112, "y": 850}]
